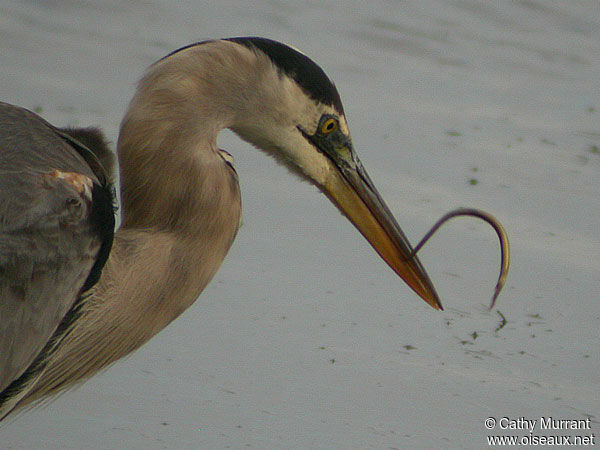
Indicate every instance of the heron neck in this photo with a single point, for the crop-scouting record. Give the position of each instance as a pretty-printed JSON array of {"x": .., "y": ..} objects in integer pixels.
[
  {"x": 180, "y": 200},
  {"x": 172, "y": 175},
  {"x": 181, "y": 210}
]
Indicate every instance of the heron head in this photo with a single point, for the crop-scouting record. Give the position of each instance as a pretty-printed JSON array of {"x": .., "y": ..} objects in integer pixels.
[{"x": 298, "y": 117}]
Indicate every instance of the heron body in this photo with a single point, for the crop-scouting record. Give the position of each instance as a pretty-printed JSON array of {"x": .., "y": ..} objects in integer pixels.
[{"x": 75, "y": 297}]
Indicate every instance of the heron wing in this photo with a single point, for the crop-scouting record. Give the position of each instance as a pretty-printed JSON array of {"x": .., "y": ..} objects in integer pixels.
[{"x": 56, "y": 228}]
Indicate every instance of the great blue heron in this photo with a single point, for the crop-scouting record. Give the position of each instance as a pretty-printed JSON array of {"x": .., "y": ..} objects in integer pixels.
[{"x": 75, "y": 295}]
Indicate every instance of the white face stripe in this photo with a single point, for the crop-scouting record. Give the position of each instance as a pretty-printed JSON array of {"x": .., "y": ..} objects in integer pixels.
[{"x": 269, "y": 113}]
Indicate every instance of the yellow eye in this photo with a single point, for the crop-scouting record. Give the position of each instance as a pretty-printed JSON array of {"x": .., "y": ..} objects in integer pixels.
[{"x": 329, "y": 126}]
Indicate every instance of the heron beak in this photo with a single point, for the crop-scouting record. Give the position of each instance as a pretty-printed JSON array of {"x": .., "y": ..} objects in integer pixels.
[{"x": 352, "y": 190}]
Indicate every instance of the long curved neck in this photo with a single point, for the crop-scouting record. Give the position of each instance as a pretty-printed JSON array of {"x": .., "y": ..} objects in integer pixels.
[
  {"x": 171, "y": 170},
  {"x": 181, "y": 210},
  {"x": 180, "y": 200}
]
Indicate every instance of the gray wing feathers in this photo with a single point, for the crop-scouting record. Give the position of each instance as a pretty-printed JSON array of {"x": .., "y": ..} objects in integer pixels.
[{"x": 47, "y": 247}]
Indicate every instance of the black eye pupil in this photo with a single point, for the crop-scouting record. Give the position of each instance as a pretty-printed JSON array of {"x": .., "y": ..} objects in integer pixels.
[{"x": 328, "y": 126}]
